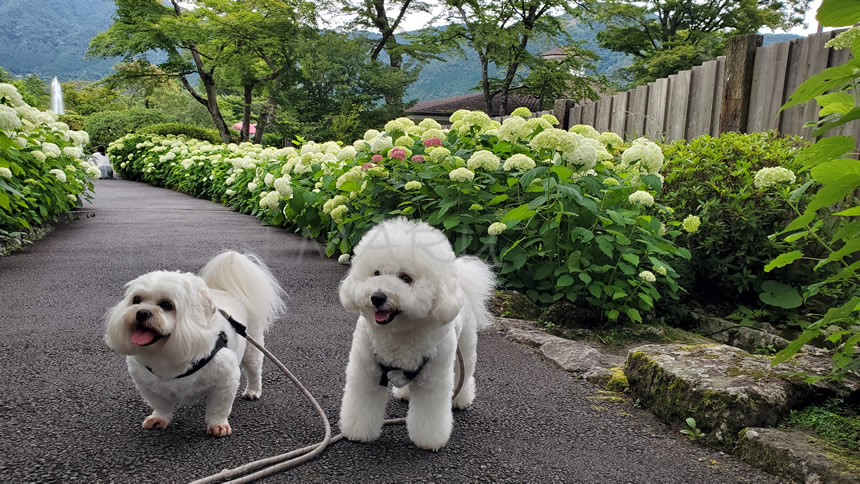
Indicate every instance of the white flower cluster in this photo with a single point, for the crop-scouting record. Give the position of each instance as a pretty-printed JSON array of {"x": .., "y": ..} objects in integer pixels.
[
  {"x": 463, "y": 121},
  {"x": 483, "y": 159},
  {"x": 644, "y": 156},
  {"x": 462, "y": 175},
  {"x": 641, "y": 197},
  {"x": 519, "y": 162},
  {"x": 768, "y": 177}
]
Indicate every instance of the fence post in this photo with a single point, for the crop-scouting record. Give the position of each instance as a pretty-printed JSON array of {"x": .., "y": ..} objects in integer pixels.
[
  {"x": 561, "y": 111},
  {"x": 740, "y": 58}
]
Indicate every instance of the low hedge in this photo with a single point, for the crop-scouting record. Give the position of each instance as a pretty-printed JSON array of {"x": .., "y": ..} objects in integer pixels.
[
  {"x": 41, "y": 171},
  {"x": 187, "y": 130}
]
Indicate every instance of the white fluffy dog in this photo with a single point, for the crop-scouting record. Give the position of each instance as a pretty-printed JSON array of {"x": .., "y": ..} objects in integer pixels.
[
  {"x": 181, "y": 349},
  {"x": 417, "y": 301}
]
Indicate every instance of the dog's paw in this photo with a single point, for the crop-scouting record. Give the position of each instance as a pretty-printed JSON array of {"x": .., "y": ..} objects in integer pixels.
[
  {"x": 252, "y": 394},
  {"x": 153, "y": 422},
  {"x": 401, "y": 393},
  {"x": 219, "y": 430}
]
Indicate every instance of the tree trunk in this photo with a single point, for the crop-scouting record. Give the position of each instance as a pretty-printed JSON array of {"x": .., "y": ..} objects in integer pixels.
[
  {"x": 246, "y": 114},
  {"x": 265, "y": 118},
  {"x": 485, "y": 83}
]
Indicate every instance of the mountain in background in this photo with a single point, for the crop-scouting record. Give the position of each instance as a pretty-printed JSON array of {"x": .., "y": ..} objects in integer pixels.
[{"x": 50, "y": 38}]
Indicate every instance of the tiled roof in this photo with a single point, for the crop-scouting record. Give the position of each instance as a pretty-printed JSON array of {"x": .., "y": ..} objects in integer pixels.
[{"x": 474, "y": 102}]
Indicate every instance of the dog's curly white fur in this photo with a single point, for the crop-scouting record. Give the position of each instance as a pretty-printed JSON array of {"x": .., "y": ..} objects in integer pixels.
[
  {"x": 167, "y": 321},
  {"x": 416, "y": 302}
]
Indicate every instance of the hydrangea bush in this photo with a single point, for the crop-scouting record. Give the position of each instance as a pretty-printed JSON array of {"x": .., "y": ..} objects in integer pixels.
[
  {"x": 564, "y": 215},
  {"x": 41, "y": 169}
]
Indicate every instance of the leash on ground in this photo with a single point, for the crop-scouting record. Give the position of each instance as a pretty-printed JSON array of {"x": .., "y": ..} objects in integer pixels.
[{"x": 279, "y": 463}]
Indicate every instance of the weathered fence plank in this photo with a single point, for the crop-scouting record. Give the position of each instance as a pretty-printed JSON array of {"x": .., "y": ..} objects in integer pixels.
[
  {"x": 718, "y": 96},
  {"x": 658, "y": 93},
  {"x": 574, "y": 118},
  {"x": 679, "y": 98},
  {"x": 637, "y": 106},
  {"x": 619, "y": 113},
  {"x": 604, "y": 112},
  {"x": 768, "y": 89},
  {"x": 588, "y": 111},
  {"x": 702, "y": 88}
]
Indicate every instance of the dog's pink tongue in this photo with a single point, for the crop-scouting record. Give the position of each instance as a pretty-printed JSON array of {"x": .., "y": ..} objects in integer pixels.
[
  {"x": 382, "y": 316},
  {"x": 142, "y": 337}
]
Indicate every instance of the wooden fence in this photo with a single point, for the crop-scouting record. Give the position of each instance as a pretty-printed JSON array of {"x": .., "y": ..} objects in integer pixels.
[{"x": 741, "y": 91}]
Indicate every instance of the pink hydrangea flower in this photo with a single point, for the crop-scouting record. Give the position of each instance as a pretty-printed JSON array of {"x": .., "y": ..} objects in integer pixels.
[
  {"x": 397, "y": 154},
  {"x": 368, "y": 166},
  {"x": 432, "y": 142},
  {"x": 418, "y": 159},
  {"x": 376, "y": 159}
]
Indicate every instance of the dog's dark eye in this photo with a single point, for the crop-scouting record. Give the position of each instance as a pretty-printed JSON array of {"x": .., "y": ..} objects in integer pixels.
[
  {"x": 166, "y": 305},
  {"x": 375, "y": 273},
  {"x": 136, "y": 300},
  {"x": 405, "y": 278}
]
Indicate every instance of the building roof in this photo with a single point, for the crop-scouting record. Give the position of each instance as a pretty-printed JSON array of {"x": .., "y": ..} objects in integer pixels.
[{"x": 474, "y": 102}]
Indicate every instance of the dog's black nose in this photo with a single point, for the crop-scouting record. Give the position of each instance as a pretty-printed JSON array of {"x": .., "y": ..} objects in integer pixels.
[
  {"x": 378, "y": 298},
  {"x": 143, "y": 314}
]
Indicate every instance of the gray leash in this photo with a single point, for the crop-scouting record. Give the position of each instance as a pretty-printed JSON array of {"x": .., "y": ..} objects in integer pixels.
[{"x": 279, "y": 463}]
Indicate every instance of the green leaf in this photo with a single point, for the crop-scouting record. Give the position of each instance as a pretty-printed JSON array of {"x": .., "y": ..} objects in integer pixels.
[
  {"x": 462, "y": 243},
  {"x": 798, "y": 192},
  {"x": 653, "y": 182},
  {"x": 451, "y": 221},
  {"x": 851, "y": 212},
  {"x": 4, "y": 201},
  {"x": 783, "y": 260},
  {"x": 519, "y": 213},
  {"x": 349, "y": 186},
  {"x": 563, "y": 172},
  {"x": 564, "y": 281},
  {"x": 633, "y": 314},
  {"x": 780, "y": 295},
  {"x": 584, "y": 277},
  {"x": 529, "y": 176},
  {"x": 631, "y": 258},
  {"x": 838, "y": 13},
  {"x": 835, "y": 102},
  {"x": 831, "y": 78},
  {"x": 612, "y": 314},
  {"x": 497, "y": 200},
  {"x": 839, "y": 178},
  {"x": 573, "y": 260},
  {"x": 595, "y": 291},
  {"x": 583, "y": 233},
  {"x": 825, "y": 149},
  {"x": 795, "y": 346},
  {"x": 605, "y": 245},
  {"x": 846, "y": 118}
]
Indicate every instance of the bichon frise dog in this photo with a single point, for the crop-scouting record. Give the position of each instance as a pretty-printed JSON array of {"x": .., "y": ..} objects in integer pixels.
[
  {"x": 416, "y": 302},
  {"x": 181, "y": 349}
]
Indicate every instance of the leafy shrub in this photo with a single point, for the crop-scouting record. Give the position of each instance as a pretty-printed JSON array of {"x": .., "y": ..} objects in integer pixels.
[
  {"x": 41, "y": 172},
  {"x": 561, "y": 216},
  {"x": 188, "y": 130},
  {"x": 714, "y": 178},
  {"x": 108, "y": 126},
  {"x": 75, "y": 121}
]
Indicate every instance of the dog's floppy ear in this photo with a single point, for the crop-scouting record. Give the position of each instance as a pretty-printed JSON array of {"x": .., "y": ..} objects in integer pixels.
[
  {"x": 448, "y": 300},
  {"x": 347, "y": 299},
  {"x": 202, "y": 301}
]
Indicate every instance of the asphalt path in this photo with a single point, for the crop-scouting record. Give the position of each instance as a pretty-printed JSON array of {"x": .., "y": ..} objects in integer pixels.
[{"x": 69, "y": 411}]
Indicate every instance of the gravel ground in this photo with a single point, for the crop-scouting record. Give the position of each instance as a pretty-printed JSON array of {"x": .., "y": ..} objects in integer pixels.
[{"x": 69, "y": 411}]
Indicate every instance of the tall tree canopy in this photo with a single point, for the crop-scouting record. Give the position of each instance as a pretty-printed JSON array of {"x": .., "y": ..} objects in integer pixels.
[
  {"x": 667, "y": 36},
  {"x": 221, "y": 41}
]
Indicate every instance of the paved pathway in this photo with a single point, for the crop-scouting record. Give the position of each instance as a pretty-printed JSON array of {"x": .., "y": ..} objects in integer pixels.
[{"x": 69, "y": 411}]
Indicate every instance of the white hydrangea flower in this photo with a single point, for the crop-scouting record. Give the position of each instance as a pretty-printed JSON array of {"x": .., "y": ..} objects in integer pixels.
[
  {"x": 5, "y": 172},
  {"x": 691, "y": 223},
  {"x": 370, "y": 135},
  {"x": 72, "y": 198},
  {"x": 270, "y": 200},
  {"x": 844, "y": 40},
  {"x": 93, "y": 172},
  {"x": 381, "y": 143},
  {"x": 513, "y": 129},
  {"x": 439, "y": 154},
  {"x": 644, "y": 154},
  {"x": 60, "y": 174},
  {"x": 483, "y": 159},
  {"x": 462, "y": 175},
  {"x": 252, "y": 186},
  {"x": 282, "y": 185},
  {"x": 269, "y": 179},
  {"x": 496, "y": 228},
  {"x": 229, "y": 192},
  {"x": 428, "y": 123},
  {"x": 413, "y": 185},
  {"x": 660, "y": 270},
  {"x": 549, "y": 118},
  {"x": 9, "y": 120},
  {"x": 51, "y": 150},
  {"x": 73, "y": 152},
  {"x": 585, "y": 130},
  {"x": 346, "y": 154},
  {"x": 432, "y": 133},
  {"x": 11, "y": 94},
  {"x": 641, "y": 197},
  {"x": 519, "y": 162},
  {"x": 343, "y": 259},
  {"x": 608, "y": 138},
  {"x": 768, "y": 177},
  {"x": 333, "y": 203},
  {"x": 648, "y": 276},
  {"x": 354, "y": 174},
  {"x": 338, "y": 213}
]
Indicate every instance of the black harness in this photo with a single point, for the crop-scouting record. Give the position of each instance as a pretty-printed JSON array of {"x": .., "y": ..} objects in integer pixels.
[
  {"x": 408, "y": 375},
  {"x": 221, "y": 342}
]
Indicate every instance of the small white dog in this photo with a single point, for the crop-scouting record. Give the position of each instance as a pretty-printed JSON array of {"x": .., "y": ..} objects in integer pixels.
[
  {"x": 181, "y": 349},
  {"x": 417, "y": 301}
]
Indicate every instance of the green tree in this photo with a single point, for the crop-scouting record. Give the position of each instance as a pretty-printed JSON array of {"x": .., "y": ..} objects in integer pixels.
[
  {"x": 211, "y": 37},
  {"x": 667, "y": 36},
  {"x": 405, "y": 58},
  {"x": 85, "y": 98},
  {"x": 500, "y": 33},
  {"x": 550, "y": 79},
  {"x": 34, "y": 91}
]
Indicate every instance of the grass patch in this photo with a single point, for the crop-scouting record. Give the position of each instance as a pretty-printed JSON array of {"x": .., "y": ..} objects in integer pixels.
[{"x": 834, "y": 421}]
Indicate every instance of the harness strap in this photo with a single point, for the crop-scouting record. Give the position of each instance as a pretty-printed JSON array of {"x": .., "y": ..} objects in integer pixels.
[
  {"x": 410, "y": 375},
  {"x": 221, "y": 342}
]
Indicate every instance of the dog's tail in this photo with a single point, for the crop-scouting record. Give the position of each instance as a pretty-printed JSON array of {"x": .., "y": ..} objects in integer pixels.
[
  {"x": 247, "y": 278},
  {"x": 478, "y": 282}
]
